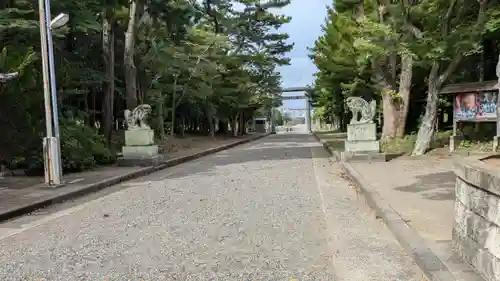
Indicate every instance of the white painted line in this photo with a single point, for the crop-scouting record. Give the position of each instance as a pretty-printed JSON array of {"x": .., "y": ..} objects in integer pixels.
[{"x": 75, "y": 180}]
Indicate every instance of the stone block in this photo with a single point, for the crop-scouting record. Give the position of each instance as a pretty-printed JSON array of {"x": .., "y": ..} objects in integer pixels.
[
  {"x": 141, "y": 137},
  {"x": 478, "y": 174},
  {"x": 365, "y": 146},
  {"x": 482, "y": 260},
  {"x": 141, "y": 162},
  {"x": 363, "y": 157},
  {"x": 140, "y": 151},
  {"x": 483, "y": 203},
  {"x": 363, "y": 131},
  {"x": 484, "y": 233},
  {"x": 476, "y": 233}
]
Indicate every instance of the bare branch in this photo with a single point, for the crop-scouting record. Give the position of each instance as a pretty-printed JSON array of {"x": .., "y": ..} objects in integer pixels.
[
  {"x": 447, "y": 18},
  {"x": 8, "y": 76},
  {"x": 481, "y": 20},
  {"x": 408, "y": 25},
  {"x": 450, "y": 69}
]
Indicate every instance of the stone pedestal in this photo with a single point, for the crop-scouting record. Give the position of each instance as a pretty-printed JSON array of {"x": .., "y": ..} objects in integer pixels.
[
  {"x": 362, "y": 138},
  {"x": 139, "y": 149},
  {"x": 362, "y": 143}
]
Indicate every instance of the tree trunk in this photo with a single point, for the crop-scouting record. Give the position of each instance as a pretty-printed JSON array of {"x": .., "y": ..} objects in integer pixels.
[
  {"x": 234, "y": 129},
  {"x": 128, "y": 57},
  {"x": 389, "y": 111},
  {"x": 481, "y": 79},
  {"x": 436, "y": 80},
  {"x": 210, "y": 113},
  {"x": 426, "y": 130},
  {"x": 108, "y": 51},
  {"x": 160, "y": 120},
  {"x": 183, "y": 126},
  {"x": 174, "y": 106},
  {"x": 242, "y": 122},
  {"x": 196, "y": 124},
  {"x": 86, "y": 118},
  {"x": 223, "y": 127},
  {"x": 405, "y": 78},
  {"x": 211, "y": 126},
  {"x": 244, "y": 127}
]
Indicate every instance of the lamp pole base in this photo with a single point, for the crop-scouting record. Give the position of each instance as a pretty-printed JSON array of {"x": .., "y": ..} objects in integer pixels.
[{"x": 52, "y": 162}]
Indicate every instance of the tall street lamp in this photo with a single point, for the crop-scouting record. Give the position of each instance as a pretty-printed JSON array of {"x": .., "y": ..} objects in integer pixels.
[
  {"x": 51, "y": 143},
  {"x": 59, "y": 21}
]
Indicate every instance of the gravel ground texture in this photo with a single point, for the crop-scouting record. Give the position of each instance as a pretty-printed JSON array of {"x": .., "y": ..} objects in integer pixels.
[{"x": 274, "y": 209}]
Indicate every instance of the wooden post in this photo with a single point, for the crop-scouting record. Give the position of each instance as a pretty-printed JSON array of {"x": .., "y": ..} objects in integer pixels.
[
  {"x": 497, "y": 137},
  {"x": 497, "y": 88},
  {"x": 454, "y": 134}
]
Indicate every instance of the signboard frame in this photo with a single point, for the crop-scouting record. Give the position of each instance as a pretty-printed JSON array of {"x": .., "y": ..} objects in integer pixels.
[{"x": 476, "y": 106}]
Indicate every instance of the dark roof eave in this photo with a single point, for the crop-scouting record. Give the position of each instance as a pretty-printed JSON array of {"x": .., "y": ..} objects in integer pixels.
[{"x": 469, "y": 87}]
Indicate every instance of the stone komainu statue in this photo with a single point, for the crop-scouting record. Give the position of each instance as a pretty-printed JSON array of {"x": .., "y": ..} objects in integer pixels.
[
  {"x": 136, "y": 119},
  {"x": 359, "y": 105}
]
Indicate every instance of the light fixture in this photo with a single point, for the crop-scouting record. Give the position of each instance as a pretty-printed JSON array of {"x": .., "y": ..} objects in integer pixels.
[{"x": 59, "y": 21}]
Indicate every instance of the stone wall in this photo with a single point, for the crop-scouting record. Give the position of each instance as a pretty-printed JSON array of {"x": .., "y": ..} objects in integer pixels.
[{"x": 476, "y": 233}]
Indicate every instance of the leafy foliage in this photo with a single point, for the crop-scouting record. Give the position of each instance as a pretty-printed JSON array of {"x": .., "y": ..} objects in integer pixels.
[
  {"x": 196, "y": 63},
  {"x": 369, "y": 48}
]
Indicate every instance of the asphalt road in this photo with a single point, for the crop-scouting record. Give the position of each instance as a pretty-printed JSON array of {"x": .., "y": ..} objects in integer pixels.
[{"x": 274, "y": 209}]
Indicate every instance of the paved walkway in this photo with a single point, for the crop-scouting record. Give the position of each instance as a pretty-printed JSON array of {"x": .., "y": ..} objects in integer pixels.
[
  {"x": 16, "y": 191},
  {"x": 274, "y": 209},
  {"x": 422, "y": 191}
]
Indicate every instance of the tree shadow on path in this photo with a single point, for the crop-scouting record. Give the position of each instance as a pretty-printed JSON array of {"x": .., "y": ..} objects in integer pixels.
[
  {"x": 435, "y": 186},
  {"x": 279, "y": 147}
]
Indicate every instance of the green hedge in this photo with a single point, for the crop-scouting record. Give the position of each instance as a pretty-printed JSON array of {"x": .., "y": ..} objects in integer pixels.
[{"x": 82, "y": 148}]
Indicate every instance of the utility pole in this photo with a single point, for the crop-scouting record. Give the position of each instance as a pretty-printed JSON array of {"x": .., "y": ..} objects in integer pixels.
[
  {"x": 62, "y": 18},
  {"x": 51, "y": 175},
  {"x": 51, "y": 145}
]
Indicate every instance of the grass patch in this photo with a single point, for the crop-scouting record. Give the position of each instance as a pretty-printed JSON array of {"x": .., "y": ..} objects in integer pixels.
[
  {"x": 331, "y": 135},
  {"x": 405, "y": 144},
  {"x": 338, "y": 145},
  {"x": 334, "y": 139},
  {"x": 475, "y": 146}
]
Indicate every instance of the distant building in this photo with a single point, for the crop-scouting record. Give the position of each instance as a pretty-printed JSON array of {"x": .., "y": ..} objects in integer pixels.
[
  {"x": 260, "y": 124},
  {"x": 298, "y": 120}
]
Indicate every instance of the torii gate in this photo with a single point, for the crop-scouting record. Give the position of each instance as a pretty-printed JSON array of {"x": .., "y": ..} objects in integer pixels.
[{"x": 298, "y": 97}]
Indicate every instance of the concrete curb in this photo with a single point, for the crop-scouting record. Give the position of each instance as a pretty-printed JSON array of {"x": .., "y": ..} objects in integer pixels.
[
  {"x": 430, "y": 264},
  {"x": 93, "y": 187}
]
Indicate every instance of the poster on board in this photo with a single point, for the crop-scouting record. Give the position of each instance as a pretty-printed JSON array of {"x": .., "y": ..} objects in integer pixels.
[{"x": 476, "y": 106}]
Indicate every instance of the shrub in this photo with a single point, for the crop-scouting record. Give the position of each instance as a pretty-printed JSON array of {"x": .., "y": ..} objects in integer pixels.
[
  {"x": 81, "y": 148},
  {"x": 406, "y": 143}
]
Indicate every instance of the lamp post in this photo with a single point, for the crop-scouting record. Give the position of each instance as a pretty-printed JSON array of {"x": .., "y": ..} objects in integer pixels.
[
  {"x": 59, "y": 21},
  {"x": 51, "y": 143}
]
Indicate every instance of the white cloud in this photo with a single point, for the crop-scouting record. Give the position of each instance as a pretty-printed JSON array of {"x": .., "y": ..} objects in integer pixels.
[
  {"x": 299, "y": 73},
  {"x": 304, "y": 29}
]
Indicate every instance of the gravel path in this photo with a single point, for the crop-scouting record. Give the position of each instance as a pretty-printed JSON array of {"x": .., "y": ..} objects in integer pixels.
[{"x": 275, "y": 209}]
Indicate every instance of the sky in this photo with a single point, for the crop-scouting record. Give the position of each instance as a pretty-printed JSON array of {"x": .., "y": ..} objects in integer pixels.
[{"x": 304, "y": 29}]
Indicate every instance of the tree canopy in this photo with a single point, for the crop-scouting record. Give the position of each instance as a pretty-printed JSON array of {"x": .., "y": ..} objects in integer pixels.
[
  {"x": 402, "y": 53},
  {"x": 201, "y": 65}
]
